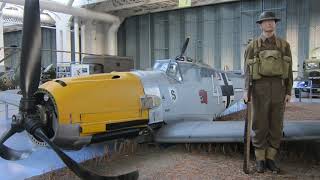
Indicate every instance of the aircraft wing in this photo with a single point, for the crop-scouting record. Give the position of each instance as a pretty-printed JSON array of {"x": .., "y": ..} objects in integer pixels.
[
  {"x": 229, "y": 131},
  {"x": 11, "y": 97}
]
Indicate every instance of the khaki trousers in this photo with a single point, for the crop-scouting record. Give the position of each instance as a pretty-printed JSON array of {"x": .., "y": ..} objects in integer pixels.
[{"x": 268, "y": 96}]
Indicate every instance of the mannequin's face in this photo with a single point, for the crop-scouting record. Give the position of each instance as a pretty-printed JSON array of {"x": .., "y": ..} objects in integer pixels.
[{"x": 268, "y": 26}]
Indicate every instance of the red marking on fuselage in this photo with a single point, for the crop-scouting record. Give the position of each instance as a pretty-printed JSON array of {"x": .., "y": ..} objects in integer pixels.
[{"x": 203, "y": 96}]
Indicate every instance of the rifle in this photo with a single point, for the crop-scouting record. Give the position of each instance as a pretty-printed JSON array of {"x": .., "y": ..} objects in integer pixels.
[{"x": 247, "y": 127}]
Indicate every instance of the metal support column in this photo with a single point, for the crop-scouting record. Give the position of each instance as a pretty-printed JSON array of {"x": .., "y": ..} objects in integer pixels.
[
  {"x": 83, "y": 40},
  {"x": 63, "y": 37},
  {"x": 2, "y": 69},
  {"x": 76, "y": 39}
]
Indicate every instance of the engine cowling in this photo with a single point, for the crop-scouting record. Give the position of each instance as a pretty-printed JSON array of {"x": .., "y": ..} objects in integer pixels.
[{"x": 84, "y": 106}]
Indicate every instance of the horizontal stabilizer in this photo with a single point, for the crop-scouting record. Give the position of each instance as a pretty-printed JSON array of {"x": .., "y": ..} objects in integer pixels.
[{"x": 11, "y": 97}]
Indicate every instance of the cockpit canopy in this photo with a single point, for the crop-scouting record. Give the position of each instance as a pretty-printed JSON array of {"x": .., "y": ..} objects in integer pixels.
[{"x": 184, "y": 70}]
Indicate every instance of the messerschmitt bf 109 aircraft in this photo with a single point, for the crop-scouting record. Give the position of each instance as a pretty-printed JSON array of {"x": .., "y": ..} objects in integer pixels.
[{"x": 176, "y": 102}]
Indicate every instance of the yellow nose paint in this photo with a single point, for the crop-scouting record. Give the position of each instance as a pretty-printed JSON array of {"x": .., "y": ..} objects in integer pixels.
[{"x": 96, "y": 101}]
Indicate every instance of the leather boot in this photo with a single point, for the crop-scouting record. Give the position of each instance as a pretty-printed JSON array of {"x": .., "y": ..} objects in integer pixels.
[
  {"x": 270, "y": 157},
  {"x": 260, "y": 166},
  {"x": 260, "y": 160},
  {"x": 271, "y": 165}
]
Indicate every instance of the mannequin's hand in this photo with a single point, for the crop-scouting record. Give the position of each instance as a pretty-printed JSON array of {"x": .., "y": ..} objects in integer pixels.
[
  {"x": 245, "y": 96},
  {"x": 287, "y": 98}
]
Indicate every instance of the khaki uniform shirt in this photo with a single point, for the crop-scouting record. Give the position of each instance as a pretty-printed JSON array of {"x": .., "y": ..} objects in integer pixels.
[{"x": 268, "y": 43}]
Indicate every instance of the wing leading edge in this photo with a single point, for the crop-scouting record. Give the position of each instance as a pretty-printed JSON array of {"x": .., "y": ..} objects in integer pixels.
[{"x": 229, "y": 131}]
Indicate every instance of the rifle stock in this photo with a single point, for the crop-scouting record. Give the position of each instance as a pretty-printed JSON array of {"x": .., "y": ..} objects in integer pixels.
[{"x": 247, "y": 132}]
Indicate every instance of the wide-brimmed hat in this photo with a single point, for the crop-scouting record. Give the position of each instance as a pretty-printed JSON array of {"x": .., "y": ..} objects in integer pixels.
[{"x": 267, "y": 15}]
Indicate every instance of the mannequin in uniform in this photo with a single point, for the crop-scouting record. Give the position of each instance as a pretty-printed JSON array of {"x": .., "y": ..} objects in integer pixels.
[{"x": 268, "y": 62}]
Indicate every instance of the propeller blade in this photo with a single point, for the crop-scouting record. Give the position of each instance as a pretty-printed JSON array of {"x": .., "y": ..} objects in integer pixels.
[
  {"x": 7, "y": 135},
  {"x": 185, "y": 45},
  {"x": 30, "y": 69},
  {"x": 8, "y": 153},
  {"x": 76, "y": 168},
  {"x": 12, "y": 154}
]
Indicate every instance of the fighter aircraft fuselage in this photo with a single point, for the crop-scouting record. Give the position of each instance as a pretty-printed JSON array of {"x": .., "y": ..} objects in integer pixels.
[{"x": 83, "y": 109}]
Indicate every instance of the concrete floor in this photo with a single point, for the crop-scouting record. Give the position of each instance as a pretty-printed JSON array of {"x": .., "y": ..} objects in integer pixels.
[{"x": 41, "y": 160}]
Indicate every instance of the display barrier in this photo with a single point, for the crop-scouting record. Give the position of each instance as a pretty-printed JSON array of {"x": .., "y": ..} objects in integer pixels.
[{"x": 309, "y": 88}]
